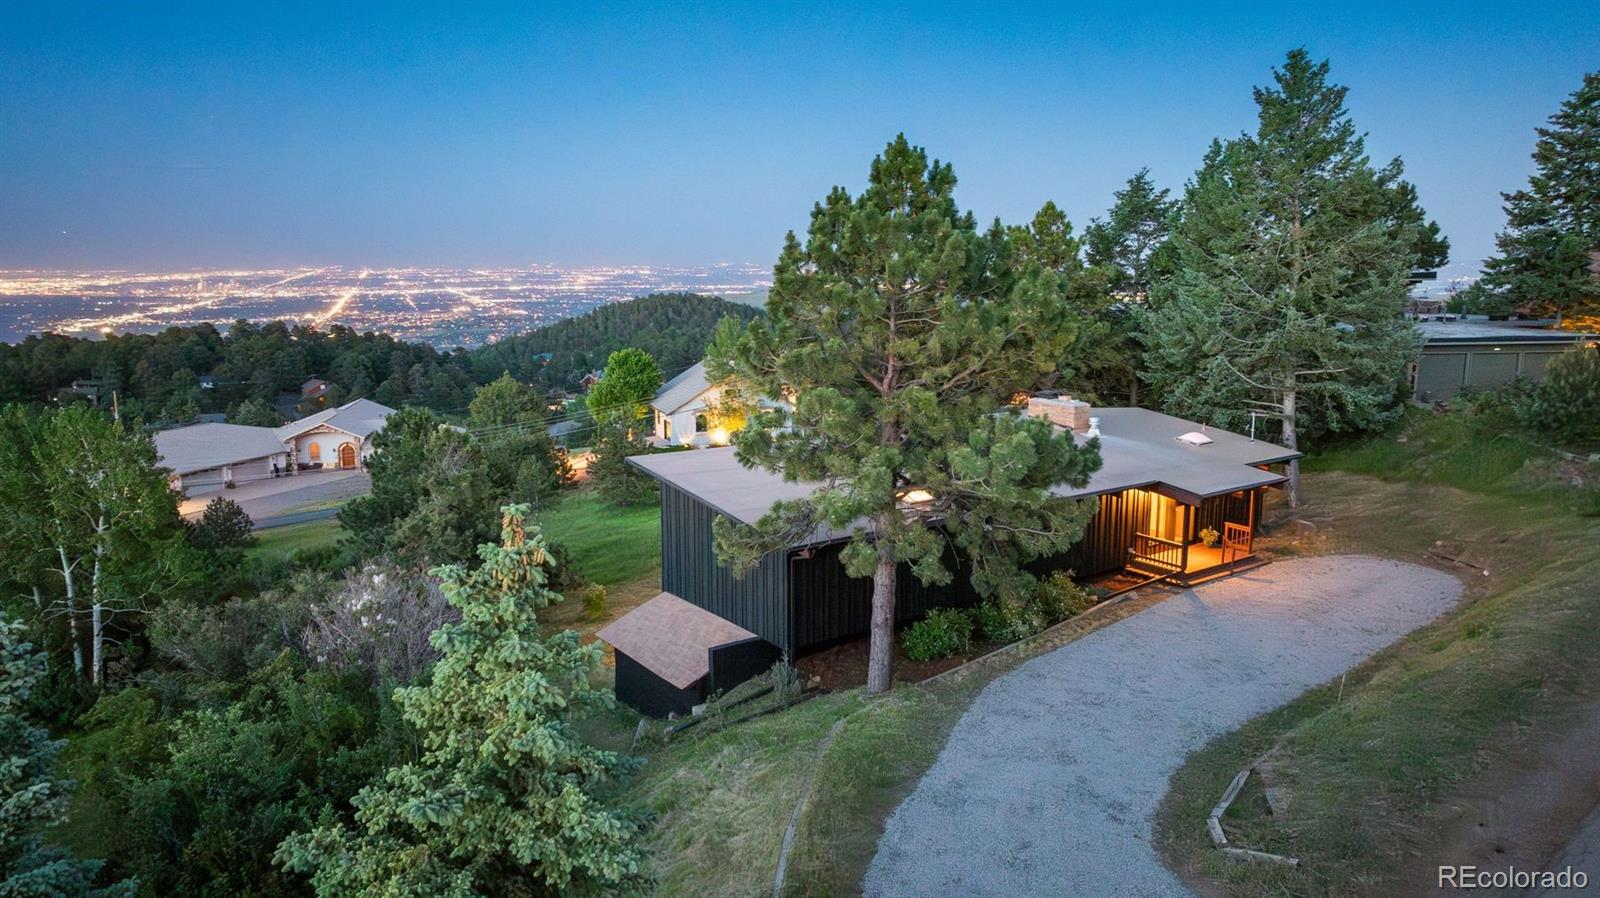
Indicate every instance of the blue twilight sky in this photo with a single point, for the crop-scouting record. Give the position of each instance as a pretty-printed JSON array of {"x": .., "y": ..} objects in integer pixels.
[{"x": 459, "y": 134}]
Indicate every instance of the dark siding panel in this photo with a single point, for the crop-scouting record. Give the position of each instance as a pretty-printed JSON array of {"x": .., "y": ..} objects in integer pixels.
[
  {"x": 734, "y": 662},
  {"x": 690, "y": 570},
  {"x": 639, "y": 687},
  {"x": 831, "y": 605},
  {"x": 1106, "y": 540}
]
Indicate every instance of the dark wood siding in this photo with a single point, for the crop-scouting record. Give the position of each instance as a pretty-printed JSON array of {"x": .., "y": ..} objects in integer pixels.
[
  {"x": 830, "y": 605},
  {"x": 638, "y": 686},
  {"x": 1106, "y": 540},
  {"x": 690, "y": 570},
  {"x": 1231, "y": 507}
]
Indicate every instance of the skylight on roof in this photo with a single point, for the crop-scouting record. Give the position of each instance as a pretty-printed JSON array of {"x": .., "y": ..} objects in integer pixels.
[{"x": 1195, "y": 438}]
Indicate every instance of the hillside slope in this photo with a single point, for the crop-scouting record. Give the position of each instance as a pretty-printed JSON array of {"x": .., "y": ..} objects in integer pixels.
[{"x": 673, "y": 327}]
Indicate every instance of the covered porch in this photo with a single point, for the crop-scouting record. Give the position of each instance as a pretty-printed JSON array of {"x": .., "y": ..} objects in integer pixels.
[{"x": 1192, "y": 542}]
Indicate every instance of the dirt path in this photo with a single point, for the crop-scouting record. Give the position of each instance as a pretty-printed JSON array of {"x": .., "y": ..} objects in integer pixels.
[
  {"x": 1534, "y": 811},
  {"x": 1050, "y": 781}
]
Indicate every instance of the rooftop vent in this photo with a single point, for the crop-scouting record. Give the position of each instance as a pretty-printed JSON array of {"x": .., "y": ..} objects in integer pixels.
[{"x": 1195, "y": 438}]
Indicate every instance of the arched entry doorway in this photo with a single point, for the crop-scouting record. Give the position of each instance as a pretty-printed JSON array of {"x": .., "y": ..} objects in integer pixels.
[{"x": 347, "y": 455}]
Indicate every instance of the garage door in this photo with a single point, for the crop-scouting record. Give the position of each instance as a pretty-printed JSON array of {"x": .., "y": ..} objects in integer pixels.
[
  {"x": 1536, "y": 364},
  {"x": 1439, "y": 375},
  {"x": 250, "y": 471},
  {"x": 1491, "y": 369}
]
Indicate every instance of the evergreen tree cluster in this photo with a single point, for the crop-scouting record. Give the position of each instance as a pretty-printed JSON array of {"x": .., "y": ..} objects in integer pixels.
[
  {"x": 673, "y": 327},
  {"x": 157, "y": 376}
]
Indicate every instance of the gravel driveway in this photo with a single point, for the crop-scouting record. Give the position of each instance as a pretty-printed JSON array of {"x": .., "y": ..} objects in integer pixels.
[{"x": 1049, "y": 782}]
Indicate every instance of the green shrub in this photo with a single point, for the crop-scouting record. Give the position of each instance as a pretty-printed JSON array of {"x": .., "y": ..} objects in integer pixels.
[
  {"x": 1508, "y": 408},
  {"x": 1567, "y": 404},
  {"x": 594, "y": 602},
  {"x": 223, "y": 525},
  {"x": 1057, "y": 598},
  {"x": 1002, "y": 621},
  {"x": 944, "y": 632}
]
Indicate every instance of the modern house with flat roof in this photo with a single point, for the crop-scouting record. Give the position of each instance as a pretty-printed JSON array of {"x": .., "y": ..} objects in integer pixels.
[
  {"x": 212, "y": 456},
  {"x": 1481, "y": 355},
  {"x": 1163, "y": 481}
]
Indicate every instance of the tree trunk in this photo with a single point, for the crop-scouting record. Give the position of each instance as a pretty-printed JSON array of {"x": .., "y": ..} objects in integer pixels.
[
  {"x": 72, "y": 612},
  {"x": 1291, "y": 439},
  {"x": 880, "y": 655},
  {"x": 97, "y": 617},
  {"x": 97, "y": 668}
]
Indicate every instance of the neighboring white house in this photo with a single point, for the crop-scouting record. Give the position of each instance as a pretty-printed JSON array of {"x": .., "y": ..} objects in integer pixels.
[
  {"x": 680, "y": 408},
  {"x": 685, "y": 411},
  {"x": 336, "y": 437},
  {"x": 207, "y": 457}
]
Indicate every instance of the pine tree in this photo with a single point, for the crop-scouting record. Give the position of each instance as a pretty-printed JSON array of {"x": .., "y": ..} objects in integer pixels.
[
  {"x": 901, "y": 331},
  {"x": 608, "y": 468},
  {"x": 1291, "y": 254},
  {"x": 1547, "y": 263},
  {"x": 31, "y": 798},
  {"x": 502, "y": 801},
  {"x": 1133, "y": 233}
]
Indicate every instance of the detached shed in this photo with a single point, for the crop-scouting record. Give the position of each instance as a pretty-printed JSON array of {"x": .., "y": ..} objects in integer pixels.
[
  {"x": 672, "y": 655},
  {"x": 1482, "y": 355}
]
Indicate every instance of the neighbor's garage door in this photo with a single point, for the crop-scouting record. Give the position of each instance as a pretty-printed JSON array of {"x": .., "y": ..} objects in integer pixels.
[
  {"x": 1535, "y": 364},
  {"x": 1439, "y": 375},
  {"x": 1491, "y": 369},
  {"x": 257, "y": 469},
  {"x": 205, "y": 481}
]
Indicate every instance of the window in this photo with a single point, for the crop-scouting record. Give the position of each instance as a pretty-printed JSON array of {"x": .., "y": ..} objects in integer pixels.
[
  {"x": 315, "y": 450},
  {"x": 701, "y": 424}
]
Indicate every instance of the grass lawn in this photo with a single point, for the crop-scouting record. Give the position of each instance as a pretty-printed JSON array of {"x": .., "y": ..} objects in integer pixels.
[
  {"x": 1372, "y": 762},
  {"x": 609, "y": 545},
  {"x": 281, "y": 542}
]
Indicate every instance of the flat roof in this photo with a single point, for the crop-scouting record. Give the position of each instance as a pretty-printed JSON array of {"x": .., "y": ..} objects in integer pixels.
[
  {"x": 1446, "y": 332},
  {"x": 672, "y": 638},
  {"x": 1139, "y": 448}
]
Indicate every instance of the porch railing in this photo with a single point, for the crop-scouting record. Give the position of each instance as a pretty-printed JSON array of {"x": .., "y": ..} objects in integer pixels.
[
  {"x": 1235, "y": 541},
  {"x": 1166, "y": 554}
]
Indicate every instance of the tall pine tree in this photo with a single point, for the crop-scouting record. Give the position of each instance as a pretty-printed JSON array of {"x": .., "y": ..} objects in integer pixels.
[
  {"x": 1292, "y": 254},
  {"x": 1547, "y": 263},
  {"x": 1132, "y": 235},
  {"x": 901, "y": 330}
]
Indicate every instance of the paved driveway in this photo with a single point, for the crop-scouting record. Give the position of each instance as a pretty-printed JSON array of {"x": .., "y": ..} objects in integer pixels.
[
  {"x": 267, "y": 501},
  {"x": 1049, "y": 782}
]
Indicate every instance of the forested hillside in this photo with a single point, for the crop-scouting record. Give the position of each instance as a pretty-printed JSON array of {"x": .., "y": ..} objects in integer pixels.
[
  {"x": 158, "y": 377},
  {"x": 672, "y": 327}
]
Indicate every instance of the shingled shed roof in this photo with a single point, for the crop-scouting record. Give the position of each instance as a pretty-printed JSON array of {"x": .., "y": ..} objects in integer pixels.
[{"x": 672, "y": 638}]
